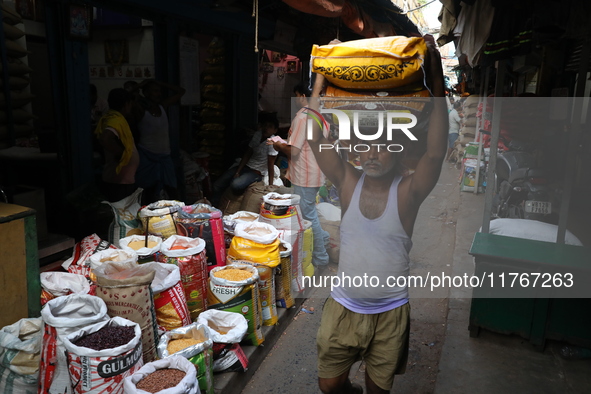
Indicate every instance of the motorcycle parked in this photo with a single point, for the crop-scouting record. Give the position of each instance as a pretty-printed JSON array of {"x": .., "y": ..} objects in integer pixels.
[{"x": 521, "y": 187}]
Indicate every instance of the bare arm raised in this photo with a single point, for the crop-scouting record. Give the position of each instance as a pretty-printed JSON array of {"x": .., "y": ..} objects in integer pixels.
[
  {"x": 423, "y": 180},
  {"x": 328, "y": 159}
]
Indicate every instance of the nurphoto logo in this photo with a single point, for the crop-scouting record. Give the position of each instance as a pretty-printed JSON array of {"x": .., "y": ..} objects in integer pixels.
[{"x": 364, "y": 120}]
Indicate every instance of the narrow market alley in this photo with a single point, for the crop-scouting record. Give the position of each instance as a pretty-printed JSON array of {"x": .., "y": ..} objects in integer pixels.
[
  {"x": 443, "y": 357},
  {"x": 291, "y": 365}
]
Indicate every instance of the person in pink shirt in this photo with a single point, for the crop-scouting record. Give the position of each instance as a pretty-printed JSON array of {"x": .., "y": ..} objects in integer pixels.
[{"x": 305, "y": 175}]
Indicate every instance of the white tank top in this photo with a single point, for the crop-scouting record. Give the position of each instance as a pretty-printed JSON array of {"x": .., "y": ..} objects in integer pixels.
[
  {"x": 154, "y": 132},
  {"x": 373, "y": 248}
]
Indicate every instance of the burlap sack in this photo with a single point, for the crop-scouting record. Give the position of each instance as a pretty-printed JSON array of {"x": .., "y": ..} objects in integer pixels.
[{"x": 127, "y": 294}]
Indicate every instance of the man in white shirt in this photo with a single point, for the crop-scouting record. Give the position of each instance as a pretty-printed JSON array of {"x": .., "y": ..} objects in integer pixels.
[{"x": 455, "y": 122}]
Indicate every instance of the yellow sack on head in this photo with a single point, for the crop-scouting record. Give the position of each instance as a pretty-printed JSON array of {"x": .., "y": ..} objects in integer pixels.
[
  {"x": 372, "y": 63},
  {"x": 255, "y": 242}
]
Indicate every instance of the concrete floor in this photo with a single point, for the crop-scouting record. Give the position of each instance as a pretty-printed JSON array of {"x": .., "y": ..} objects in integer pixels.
[{"x": 443, "y": 358}]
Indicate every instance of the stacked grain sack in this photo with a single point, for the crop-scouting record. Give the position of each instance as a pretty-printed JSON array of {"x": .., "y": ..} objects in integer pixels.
[
  {"x": 212, "y": 131},
  {"x": 18, "y": 80},
  {"x": 388, "y": 71},
  {"x": 469, "y": 121}
]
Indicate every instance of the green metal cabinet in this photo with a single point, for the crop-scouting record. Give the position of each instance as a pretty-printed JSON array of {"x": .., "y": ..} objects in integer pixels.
[{"x": 532, "y": 314}]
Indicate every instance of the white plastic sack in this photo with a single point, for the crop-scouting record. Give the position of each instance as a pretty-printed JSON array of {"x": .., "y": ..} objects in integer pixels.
[
  {"x": 276, "y": 179},
  {"x": 125, "y": 221},
  {"x": 166, "y": 276},
  {"x": 188, "y": 385},
  {"x": 63, "y": 316},
  {"x": 262, "y": 233},
  {"x": 20, "y": 348},
  {"x": 119, "y": 256},
  {"x": 329, "y": 211},
  {"x": 281, "y": 200},
  {"x": 243, "y": 216},
  {"x": 230, "y": 221},
  {"x": 194, "y": 246},
  {"x": 143, "y": 251},
  {"x": 64, "y": 283},
  {"x": 102, "y": 371},
  {"x": 170, "y": 302},
  {"x": 233, "y": 323},
  {"x": 79, "y": 263},
  {"x": 530, "y": 229}
]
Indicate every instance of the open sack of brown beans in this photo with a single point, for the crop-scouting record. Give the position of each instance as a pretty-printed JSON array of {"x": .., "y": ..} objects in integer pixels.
[{"x": 174, "y": 374}]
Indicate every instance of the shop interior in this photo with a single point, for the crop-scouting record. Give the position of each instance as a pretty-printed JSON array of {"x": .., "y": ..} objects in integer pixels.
[{"x": 120, "y": 47}]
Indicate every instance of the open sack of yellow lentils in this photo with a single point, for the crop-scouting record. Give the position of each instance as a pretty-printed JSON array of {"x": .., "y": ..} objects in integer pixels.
[{"x": 164, "y": 304}]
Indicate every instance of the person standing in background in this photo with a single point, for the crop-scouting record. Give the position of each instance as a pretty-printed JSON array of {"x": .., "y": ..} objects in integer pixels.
[
  {"x": 137, "y": 108},
  {"x": 156, "y": 171},
  {"x": 121, "y": 156},
  {"x": 98, "y": 106},
  {"x": 455, "y": 121},
  {"x": 305, "y": 175}
]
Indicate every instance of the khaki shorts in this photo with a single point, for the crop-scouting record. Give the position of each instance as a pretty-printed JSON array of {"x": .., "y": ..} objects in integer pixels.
[{"x": 380, "y": 340}]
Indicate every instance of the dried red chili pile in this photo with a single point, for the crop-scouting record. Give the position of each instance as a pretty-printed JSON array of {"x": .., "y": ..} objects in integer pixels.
[
  {"x": 160, "y": 380},
  {"x": 107, "y": 338}
]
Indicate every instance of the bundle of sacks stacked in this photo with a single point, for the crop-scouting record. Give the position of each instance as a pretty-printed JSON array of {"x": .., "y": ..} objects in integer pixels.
[
  {"x": 18, "y": 80},
  {"x": 377, "y": 74},
  {"x": 469, "y": 121},
  {"x": 212, "y": 132}
]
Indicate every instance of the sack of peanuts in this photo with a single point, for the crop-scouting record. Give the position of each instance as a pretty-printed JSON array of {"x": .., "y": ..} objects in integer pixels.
[
  {"x": 189, "y": 255},
  {"x": 234, "y": 288},
  {"x": 101, "y": 355},
  {"x": 126, "y": 221},
  {"x": 169, "y": 297},
  {"x": 266, "y": 292},
  {"x": 282, "y": 211},
  {"x": 193, "y": 343},
  {"x": 62, "y": 316},
  {"x": 123, "y": 259},
  {"x": 205, "y": 222},
  {"x": 57, "y": 284},
  {"x": 126, "y": 292},
  {"x": 283, "y": 296},
  {"x": 20, "y": 352},
  {"x": 226, "y": 330},
  {"x": 171, "y": 375},
  {"x": 79, "y": 263},
  {"x": 146, "y": 251},
  {"x": 256, "y": 242},
  {"x": 159, "y": 218}
]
